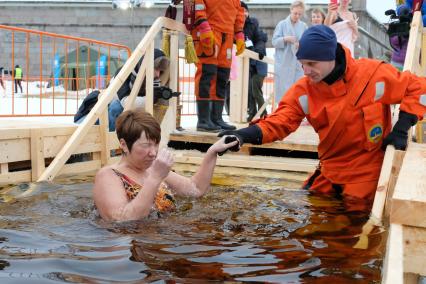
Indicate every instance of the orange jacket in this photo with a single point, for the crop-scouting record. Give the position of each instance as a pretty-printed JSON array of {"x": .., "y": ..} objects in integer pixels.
[
  {"x": 226, "y": 16},
  {"x": 350, "y": 130}
]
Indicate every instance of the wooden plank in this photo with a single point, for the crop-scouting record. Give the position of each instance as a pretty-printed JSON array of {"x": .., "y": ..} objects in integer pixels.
[
  {"x": 113, "y": 142},
  {"x": 393, "y": 264},
  {"x": 37, "y": 155},
  {"x": 412, "y": 56},
  {"x": 168, "y": 124},
  {"x": 254, "y": 162},
  {"x": 136, "y": 86},
  {"x": 4, "y": 168},
  {"x": 396, "y": 168},
  {"x": 235, "y": 96},
  {"x": 409, "y": 199},
  {"x": 421, "y": 129},
  {"x": 149, "y": 95},
  {"x": 304, "y": 139},
  {"x": 260, "y": 111},
  {"x": 53, "y": 144},
  {"x": 414, "y": 250},
  {"x": 81, "y": 167},
  {"x": 15, "y": 177},
  {"x": 17, "y": 150},
  {"x": 411, "y": 278},
  {"x": 246, "y": 172},
  {"x": 10, "y": 134},
  {"x": 245, "y": 89},
  {"x": 103, "y": 130}
]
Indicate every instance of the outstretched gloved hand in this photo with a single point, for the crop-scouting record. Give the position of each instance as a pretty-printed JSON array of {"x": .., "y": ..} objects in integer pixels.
[
  {"x": 251, "y": 134},
  {"x": 206, "y": 37},
  {"x": 239, "y": 41},
  {"x": 399, "y": 134}
]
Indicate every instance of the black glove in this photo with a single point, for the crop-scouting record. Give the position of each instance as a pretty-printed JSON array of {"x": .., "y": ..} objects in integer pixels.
[
  {"x": 251, "y": 134},
  {"x": 399, "y": 134},
  {"x": 229, "y": 139},
  {"x": 261, "y": 55}
]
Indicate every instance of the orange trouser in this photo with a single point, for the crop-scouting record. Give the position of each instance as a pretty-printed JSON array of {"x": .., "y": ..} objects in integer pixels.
[
  {"x": 213, "y": 69},
  {"x": 319, "y": 183}
]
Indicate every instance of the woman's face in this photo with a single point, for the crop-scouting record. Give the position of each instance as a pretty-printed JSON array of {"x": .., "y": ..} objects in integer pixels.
[
  {"x": 345, "y": 3},
  {"x": 317, "y": 19},
  {"x": 295, "y": 14},
  {"x": 144, "y": 151}
]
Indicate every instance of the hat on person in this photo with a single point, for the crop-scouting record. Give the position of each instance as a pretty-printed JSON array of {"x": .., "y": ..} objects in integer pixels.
[
  {"x": 244, "y": 5},
  {"x": 161, "y": 62},
  {"x": 317, "y": 43}
]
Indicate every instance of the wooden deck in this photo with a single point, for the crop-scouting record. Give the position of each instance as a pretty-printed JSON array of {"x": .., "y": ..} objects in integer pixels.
[
  {"x": 406, "y": 249},
  {"x": 304, "y": 139}
]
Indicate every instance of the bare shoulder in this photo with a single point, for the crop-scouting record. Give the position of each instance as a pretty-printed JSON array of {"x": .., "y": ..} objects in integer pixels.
[{"x": 105, "y": 176}]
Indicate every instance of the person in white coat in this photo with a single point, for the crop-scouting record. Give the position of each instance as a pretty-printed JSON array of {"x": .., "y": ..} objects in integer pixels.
[{"x": 286, "y": 41}]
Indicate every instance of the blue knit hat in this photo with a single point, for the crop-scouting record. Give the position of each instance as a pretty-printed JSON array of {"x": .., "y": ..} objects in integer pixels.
[{"x": 317, "y": 43}]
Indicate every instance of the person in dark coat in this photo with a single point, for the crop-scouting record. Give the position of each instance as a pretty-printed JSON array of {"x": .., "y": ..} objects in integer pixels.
[{"x": 255, "y": 40}]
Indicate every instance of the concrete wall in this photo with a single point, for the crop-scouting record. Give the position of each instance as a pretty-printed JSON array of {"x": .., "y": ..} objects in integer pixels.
[{"x": 101, "y": 22}]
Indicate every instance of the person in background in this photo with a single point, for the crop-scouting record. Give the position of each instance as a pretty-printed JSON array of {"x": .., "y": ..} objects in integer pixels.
[
  {"x": 255, "y": 40},
  {"x": 343, "y": 22},
  {"x": 317, "y": 16},
  {"x": 399, "y": 43},
  {"x": 347, "y": 102},
  {"x": 161, "y": 78},
  {"x": 286, "y": 38},
  {"x": 116, "y": 107},
  {"x": 142, "y": 181},
  {"x": 1, "y": 81},
  {"x": 18, "y": 78}
]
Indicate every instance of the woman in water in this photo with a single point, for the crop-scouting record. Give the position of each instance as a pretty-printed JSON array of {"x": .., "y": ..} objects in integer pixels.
[{"x": 142, "y": 181}]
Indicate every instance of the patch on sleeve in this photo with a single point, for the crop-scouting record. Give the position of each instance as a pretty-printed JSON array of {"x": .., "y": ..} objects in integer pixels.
[
  {"x": 303, "y": 101},
  {"x": 375, "y": 133},
  {"x": 423, "y": 99},
  {"x": 199, "y": 7},
  {"x": 380, "y": 90}
]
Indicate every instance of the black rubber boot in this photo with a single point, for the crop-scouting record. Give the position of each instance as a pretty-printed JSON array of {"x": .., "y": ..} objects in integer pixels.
[
  {"x": 217, "y": 110},
  {"x": 204, "y": 123}
]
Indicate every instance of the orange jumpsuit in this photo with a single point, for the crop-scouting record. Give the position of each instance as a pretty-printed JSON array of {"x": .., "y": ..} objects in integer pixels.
[
  {"x": 351, "y": 119},
  {"x": 225, "y": 18}
]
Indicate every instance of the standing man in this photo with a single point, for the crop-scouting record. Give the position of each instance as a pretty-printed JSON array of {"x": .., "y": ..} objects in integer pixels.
[
  {"x": 347, "y": 102},
  {"x": 217, "y": 24},
  {"x": 256, "y": 41},
  {"x": 18, "y": 78}
]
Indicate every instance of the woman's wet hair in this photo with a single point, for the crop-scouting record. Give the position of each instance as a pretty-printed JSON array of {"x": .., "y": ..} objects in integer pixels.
[{"x": 131, "y": 123}]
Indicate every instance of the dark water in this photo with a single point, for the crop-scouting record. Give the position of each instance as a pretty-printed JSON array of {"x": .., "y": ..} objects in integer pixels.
[{"x": 253, "y": 230}]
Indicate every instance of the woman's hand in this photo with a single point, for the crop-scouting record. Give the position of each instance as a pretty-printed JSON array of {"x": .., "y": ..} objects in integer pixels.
[
  {"x": 160, "y": 168},
  {"x": 221, "y": 146},
  {"x": 290, "y": 39},
  {"x": 332, "y": 7}
]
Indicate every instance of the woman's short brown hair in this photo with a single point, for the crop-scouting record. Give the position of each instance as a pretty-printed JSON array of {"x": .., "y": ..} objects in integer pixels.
[{"x": 131, "y": 123}]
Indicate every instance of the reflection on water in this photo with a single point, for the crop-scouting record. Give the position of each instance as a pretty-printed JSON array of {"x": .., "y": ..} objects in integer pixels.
[{"x": 251, "y": 231}]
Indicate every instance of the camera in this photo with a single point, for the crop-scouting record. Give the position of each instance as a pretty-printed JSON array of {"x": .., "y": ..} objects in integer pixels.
[
  {"x": 163, "y": 92},
  {"x": 400, "y": 24}
]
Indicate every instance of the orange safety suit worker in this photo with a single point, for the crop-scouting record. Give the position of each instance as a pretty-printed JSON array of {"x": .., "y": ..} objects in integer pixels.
[
  {"x": 226, "y": 18},
  {"x": 351, "y": 117}
]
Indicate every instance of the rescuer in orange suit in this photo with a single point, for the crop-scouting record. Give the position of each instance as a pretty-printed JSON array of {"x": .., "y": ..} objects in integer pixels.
[
  {"x": 347, "y": 102},
  {"x": 217, "y": 24}
]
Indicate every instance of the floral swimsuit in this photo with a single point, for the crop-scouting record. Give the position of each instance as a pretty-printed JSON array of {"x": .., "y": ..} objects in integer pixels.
[{"x": 164, "y": 200}]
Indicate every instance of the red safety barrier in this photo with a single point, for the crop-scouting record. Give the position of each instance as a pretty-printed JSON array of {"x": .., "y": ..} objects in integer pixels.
[{"x": 58, "y": 71}]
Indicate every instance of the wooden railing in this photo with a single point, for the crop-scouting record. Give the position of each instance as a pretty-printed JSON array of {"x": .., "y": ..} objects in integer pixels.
[{"x": 144, "y": 49}]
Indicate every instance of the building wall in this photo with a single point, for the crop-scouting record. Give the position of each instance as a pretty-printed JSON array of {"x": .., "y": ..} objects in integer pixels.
[{"x": 127, "y": 27}]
